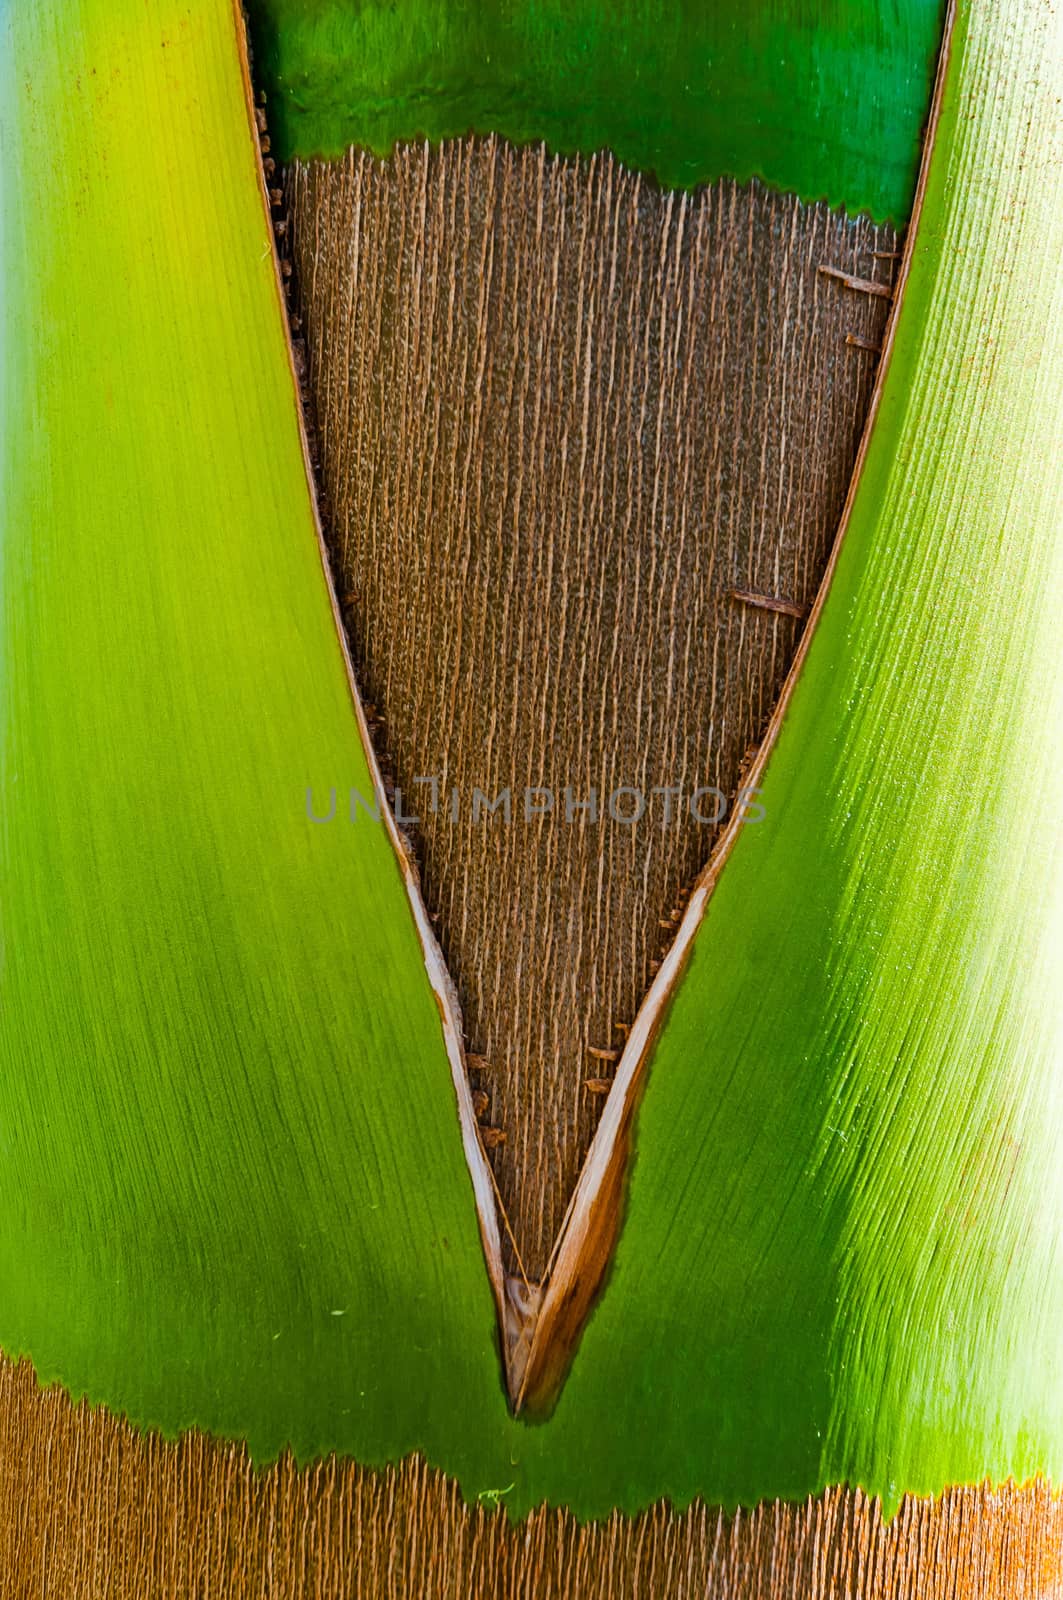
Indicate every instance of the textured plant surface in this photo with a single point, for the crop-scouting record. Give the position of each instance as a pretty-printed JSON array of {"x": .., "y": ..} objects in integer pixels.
[{"x": 232, "y": 1186}]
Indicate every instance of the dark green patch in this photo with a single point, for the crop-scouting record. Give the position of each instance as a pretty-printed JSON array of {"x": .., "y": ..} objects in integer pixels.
[{"x": 825, "y": 100}]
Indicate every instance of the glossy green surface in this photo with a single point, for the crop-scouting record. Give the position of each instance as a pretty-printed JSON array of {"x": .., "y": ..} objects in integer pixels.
[
  {"x": 232, "y": 1189},
  {"x": 825, "y": 99},
  {"x": 231, "y": 1185},
  {"x": 843, "y": 1253}
]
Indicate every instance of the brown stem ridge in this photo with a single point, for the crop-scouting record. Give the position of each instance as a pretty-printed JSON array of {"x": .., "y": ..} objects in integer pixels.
[{"x": 90, "y": 1507}]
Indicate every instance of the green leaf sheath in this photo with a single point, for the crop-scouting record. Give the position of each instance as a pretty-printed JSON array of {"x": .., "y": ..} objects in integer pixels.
[
  {"x": 823, "y": 99},
  {"x": 226, "y": 1112},
  {"x": 843, "y": 1253},
  {"x": 232, "y": 1190}
]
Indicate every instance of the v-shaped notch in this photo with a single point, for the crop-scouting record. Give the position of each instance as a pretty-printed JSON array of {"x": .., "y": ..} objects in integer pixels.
[{"x": 582, "y": 447}]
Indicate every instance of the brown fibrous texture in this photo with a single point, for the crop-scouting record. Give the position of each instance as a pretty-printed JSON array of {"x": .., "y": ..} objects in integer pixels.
[
  {"x": 94, "y": 1510},
  {"x": 582, "y": 447}
]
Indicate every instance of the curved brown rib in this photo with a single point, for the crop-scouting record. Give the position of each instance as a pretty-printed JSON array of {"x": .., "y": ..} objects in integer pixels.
[{"x": 91, "y": 1508}]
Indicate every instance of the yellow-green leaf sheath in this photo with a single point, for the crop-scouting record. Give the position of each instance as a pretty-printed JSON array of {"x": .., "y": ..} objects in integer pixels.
[
  {"x": 842, "y": 1259},
  {"x": 232, "y": 1189}
]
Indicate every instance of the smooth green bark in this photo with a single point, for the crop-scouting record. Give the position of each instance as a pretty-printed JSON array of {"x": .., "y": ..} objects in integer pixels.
[{"x": 827, "y": 100}]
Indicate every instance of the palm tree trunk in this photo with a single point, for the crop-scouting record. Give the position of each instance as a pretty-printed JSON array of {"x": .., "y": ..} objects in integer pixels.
[{"x": 92, "y": 1507}]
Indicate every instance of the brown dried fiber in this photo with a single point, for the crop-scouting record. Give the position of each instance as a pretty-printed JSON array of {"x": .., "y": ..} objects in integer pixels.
[
  {"x": 561, "y": 416},
  {"x": 93, "y": 1510}
]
